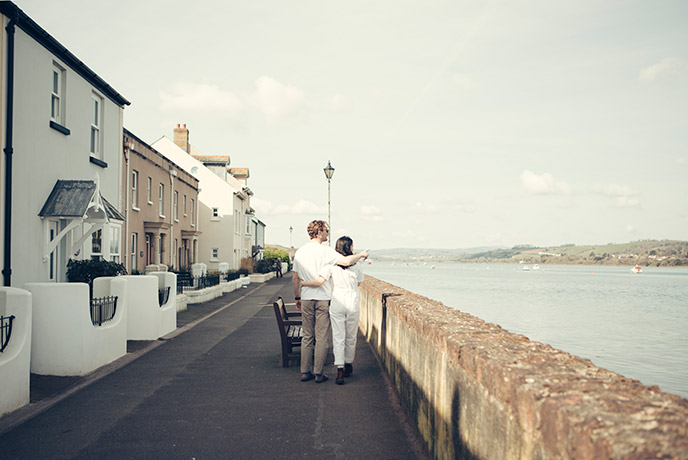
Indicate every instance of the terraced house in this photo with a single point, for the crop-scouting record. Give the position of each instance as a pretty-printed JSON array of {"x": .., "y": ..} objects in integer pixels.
[
  {"x": 61, "y": 167},
  {"x": 162, "y": 210}
]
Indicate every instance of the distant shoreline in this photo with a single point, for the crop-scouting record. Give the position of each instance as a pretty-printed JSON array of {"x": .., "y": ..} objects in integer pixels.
[
  {"x": 511, "y": 262},
  {"x": 646, "y": 253}
]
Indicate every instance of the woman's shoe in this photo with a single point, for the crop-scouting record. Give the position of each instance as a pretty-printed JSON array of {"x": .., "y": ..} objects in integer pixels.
[
  {"x": 340, "y": 376},
  {"x": 348, "y": 369}
]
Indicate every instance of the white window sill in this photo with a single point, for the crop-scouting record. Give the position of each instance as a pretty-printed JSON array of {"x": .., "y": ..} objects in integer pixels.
[
  {"x": 176, "y": 220},
  {"x": 161, "y": 216},
  {"x": 215, "y": 219},
  {"x": 150, "y": 203},
  {"x": 134, "y": 208},
  {"x": 214, "y": 260}
]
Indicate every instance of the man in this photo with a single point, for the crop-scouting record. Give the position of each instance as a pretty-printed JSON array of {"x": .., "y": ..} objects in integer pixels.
[{"x": 314, "y": 303}]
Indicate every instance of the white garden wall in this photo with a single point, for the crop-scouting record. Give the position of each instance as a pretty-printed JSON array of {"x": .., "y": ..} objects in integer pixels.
[
  {"x": 64, "y": 341},
  {"x": 146, "y": 320},
  {"x": 15, "y": 360}
]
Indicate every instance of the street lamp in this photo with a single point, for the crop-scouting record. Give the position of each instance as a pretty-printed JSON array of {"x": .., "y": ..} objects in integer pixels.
[
  {"x": 291, "y": 245},
  {"x": 329, "y": 171}
]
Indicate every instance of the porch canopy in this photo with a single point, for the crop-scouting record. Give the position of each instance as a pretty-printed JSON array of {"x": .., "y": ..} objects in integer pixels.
[{"x": 79, "y": 202}]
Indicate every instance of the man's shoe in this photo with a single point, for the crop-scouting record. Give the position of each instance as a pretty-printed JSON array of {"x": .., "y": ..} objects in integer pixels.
[
  {"x": 306, "y": 376},
  {"x": 340, "y": 376},
  {"x": 320, "y": 378},
  {"x": 348, "y": 369}
]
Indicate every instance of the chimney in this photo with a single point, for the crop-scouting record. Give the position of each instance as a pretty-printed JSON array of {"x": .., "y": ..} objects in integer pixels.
[{"x": 181, "y": 138}]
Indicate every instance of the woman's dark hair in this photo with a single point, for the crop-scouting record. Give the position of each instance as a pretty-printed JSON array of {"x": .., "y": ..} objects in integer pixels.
[{"x": 344, "y": 246}]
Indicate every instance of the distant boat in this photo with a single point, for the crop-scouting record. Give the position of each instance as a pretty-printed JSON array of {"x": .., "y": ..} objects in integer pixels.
[
  {"x": 637, "y": 269},
  {"x": 536, "y": 267},
  {"x": 526, "y": 268}
]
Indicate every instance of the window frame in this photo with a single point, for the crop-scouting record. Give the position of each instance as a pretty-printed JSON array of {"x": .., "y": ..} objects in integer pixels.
[
  {"x": 193, "y": 210},
  {"x": 134, "y": 249},
  {"x": 57, "y": 94},
  {"x": 161, "y": 200},
  {"x": 150, "y": 190},
  {"x": 115, "y": 243},
  {"x": 176, "y": 206},
  {"x": 135, "y": 189},
  {"x": 97, "y": 244},
  {"x": 96, "y": 140}
]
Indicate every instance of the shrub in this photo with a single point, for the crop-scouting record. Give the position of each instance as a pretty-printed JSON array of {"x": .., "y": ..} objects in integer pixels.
[
  {"x": 272, "y": 254},
  {"x": 85, "y": 271},
  {"x": 264, "y": 266},
  {"x": 233, "y": 275}
]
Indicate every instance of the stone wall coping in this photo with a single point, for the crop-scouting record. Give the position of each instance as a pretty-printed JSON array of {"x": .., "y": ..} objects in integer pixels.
[{"x": 567, "y": 401}]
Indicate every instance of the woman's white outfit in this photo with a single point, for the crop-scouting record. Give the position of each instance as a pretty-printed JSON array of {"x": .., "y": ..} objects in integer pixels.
[{"x": 344, "y": 310}]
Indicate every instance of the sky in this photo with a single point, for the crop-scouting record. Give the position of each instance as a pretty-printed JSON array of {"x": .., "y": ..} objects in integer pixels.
[{"x": 450, "y": 124}]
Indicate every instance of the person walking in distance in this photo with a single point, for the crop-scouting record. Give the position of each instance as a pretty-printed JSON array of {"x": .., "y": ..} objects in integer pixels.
[
  {"x": 344, "y": 308},
  {"x": 314, "y": 302}
]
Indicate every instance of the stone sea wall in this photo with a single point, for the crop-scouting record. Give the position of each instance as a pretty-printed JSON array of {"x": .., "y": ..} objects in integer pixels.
[{"x": 475, "y": 390}]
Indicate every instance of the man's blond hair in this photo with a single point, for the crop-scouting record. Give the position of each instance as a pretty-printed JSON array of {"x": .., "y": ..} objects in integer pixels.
[{"x": 315, "y": 227}]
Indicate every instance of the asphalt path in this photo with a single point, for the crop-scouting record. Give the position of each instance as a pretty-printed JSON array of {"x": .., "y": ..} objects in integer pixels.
[{"x": 215, "y": 389}]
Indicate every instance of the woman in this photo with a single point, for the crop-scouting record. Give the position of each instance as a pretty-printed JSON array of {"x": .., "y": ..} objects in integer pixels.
[{"x": 344, "y": 308}]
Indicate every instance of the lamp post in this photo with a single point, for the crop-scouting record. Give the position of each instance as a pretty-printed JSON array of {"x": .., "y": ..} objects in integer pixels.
[
  {"x": 291, "y": 244},
  {"x": 329, "y": 171}
]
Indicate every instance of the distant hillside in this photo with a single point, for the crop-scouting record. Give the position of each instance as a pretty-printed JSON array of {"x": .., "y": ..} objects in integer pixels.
[
  {"x": 646, "y": 252},
  {"x": 407, "y": 254}
]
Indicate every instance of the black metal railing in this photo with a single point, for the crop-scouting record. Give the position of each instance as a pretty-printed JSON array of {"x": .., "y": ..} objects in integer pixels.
[
  {"x": 163, "y": 295},
  {"x": 202, "y": 282},
  {"x": 103, "y": 309},
  {"x": 186, "y": 282},
  {"x": 5, "y": 331}
]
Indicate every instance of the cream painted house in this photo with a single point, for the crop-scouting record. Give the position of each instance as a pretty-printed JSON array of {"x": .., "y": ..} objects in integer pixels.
[
  {"x": 225, "y": 216},
  {"x": 61, "y": 167}
]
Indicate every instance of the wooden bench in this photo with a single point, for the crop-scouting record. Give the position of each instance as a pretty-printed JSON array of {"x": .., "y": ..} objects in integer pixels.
[{"x": 290, "y": 331}]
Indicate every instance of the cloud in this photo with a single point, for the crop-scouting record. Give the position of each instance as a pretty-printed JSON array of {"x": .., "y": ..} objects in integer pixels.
[
  {"x": 626, "y": 202},
  {"x": 614, "y": 190},
  {"x": 338, "y": 103},
  {"x": 622, "y": 193},
  {"x": 423, "y": 208},
  {"x": 543, "y": 184},
  {"x": 369, "y": 210},
  {"x": 630, "y": 228},
  {"x": 200, "y": 97},
  {"x": 666, "y": 68},
  {"x": 276, "y": 100},
  {"x": 301, "y": 207},
  {"x": 682, "y": 161},
  {"x": 371, "y": 213}
]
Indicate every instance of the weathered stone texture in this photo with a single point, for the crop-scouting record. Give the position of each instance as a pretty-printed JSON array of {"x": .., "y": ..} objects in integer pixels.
[{"x": 479, "y": 391}]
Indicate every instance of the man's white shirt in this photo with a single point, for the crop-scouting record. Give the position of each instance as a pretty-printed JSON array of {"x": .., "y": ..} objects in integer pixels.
[{"x": 309, "y": 261}]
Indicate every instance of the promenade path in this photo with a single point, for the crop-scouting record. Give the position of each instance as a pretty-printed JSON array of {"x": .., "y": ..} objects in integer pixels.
[{"x": 214, "y": 389}]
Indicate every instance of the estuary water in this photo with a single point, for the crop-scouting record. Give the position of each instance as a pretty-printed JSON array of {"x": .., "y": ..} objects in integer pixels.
[{"x": 633, "y": 324}]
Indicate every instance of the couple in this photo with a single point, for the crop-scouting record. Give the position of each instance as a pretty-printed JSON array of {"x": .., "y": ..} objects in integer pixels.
[{"x": 314, "y": 266}]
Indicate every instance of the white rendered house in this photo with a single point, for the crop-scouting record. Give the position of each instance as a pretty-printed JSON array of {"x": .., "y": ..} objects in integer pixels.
[
  {"x": 224, "y": 209},
  {"x": 62, "y": 125}
]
